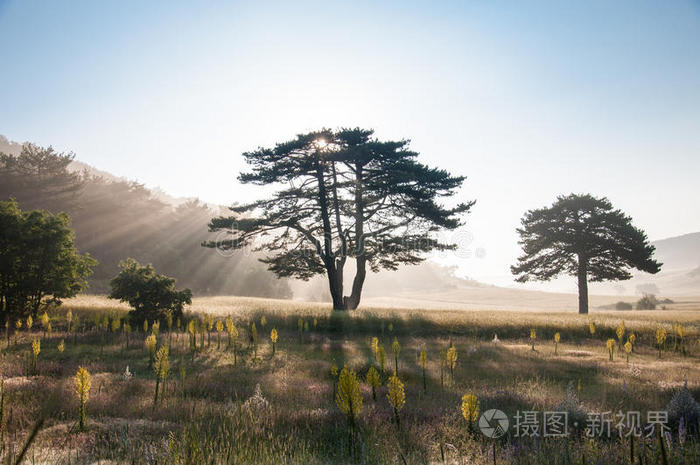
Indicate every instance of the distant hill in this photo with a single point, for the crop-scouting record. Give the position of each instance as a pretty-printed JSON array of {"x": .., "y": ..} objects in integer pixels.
[
  {"x": 114, "y": 218},
  {"x": 679, "y": 253}
]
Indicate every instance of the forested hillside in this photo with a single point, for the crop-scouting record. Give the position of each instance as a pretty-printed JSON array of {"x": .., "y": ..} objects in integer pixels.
[{"x": 114, "y": 219}]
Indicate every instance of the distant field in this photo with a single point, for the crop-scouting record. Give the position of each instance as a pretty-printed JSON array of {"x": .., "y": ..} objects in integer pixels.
[{"x": 211, "y": 414}]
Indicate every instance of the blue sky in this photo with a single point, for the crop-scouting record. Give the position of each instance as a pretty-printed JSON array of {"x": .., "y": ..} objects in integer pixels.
[{"x": 528, "y": 99}]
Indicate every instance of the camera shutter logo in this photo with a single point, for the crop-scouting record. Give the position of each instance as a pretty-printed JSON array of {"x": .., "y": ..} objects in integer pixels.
[{"x": 493, "y": 423}]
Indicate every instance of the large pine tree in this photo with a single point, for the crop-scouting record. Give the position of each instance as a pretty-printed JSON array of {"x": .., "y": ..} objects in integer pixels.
[
  {"x": 583, "y": 236},
  {"x": 342, "y": 194}
]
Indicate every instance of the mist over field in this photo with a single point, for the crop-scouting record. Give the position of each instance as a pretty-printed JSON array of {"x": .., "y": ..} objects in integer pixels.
[{"x": 353, "y": 233}]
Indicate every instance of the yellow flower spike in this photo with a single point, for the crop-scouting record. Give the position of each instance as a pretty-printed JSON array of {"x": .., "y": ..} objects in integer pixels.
[
  {"x": 620, "y": 331},
  {"x": 273, "y": 338},
  {"x": 375, "y": 347},
  {"x": 61, "y": 346},
  {"x": 452, "y": 361},
  {"x": 557, "y": 337},
  {"x": 610, "y": 344},
  {"x": 382, "y": 358},
  {"x": 30, "y": 323},
  {"x": 470, "y": 408},
  {"x": 348, "y": 398},
  {"x": 396, "y": 395},
  {"x": 423, "y": 358},
  {"x": 372, "y": 379},
  {"x": 396, "y": 350},
  {"x": 82, "y": 389},
  {"x": 591, "y": 328}
]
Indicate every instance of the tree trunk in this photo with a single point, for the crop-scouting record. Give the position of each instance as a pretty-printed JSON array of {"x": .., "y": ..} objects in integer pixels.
[
  {"x": 582, "y": 285},
  {"x": 353, "y": 301},
  {"x": 335, "y": 286}
]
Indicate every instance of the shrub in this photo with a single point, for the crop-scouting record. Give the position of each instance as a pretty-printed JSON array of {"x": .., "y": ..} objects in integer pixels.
[
  {"x": 647, "y": 302},
  {"x": 152, "y": 296},
  {"x": 623, "y": 306}
]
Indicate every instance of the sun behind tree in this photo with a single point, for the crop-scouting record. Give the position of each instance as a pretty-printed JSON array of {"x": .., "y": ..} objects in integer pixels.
[{"x": 583, "y": 236}]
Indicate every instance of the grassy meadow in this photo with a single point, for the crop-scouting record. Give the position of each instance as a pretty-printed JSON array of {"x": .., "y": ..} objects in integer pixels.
[{"x": 239, "y": 403}]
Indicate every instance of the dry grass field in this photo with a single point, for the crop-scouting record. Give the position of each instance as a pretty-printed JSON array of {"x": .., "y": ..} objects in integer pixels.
[{"x": 242, "y": 404}]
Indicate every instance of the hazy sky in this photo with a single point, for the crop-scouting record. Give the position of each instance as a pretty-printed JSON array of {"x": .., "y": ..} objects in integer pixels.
[{"x": 529, "y": 100}]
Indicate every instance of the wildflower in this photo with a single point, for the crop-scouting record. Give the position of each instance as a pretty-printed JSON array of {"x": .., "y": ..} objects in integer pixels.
[
  {"x": 591, "y": 328},
  {"x": 69, "y": 318},
  {"x": 396, "y": 395},
  {"x": 620, "y": 331},
  {"x": 219, "y": 328},
  {"x": 232, "y": 332},
  {"x": 145, "y": 326},
  {"x": 18, "y": 325},
  {"x": 628, "y": 349},
  {"x": 632, "y": 339},
  {"x": 348, "y": 397},
  {"x": 36, "y": 349},
  {"x": 680, "y": 332},
  {"x": 391, "y": 327},
  {"x": 423, "y": 357},
  {"x": 150, "y": 344},
  {"x": 273, "y": 338},
  {"x": 452, "y": 361},
  {"x": 372, "y": 379},
  {"x": 263, "y": 321},
  {"x": 45, "y": 321},
  {"x": 375, "y": 347},
  {"x": 533, "y": 336},
  {"x": 30, "y": 322},
  {"x": 396, "y": 349},
  {"x": 660, "y": 338},
  {"x": 382, "y": 358},
  {"x": 61, "y": 346},
  {"x": 334, "y": 370},
  {"x": 192, "y": 331},
  {"x": 127, "y": 374},
  {"x": 161, "y": 368},
  {"x": 557, "y": 337},
  {"x": 306, "y": 326},
  {"x": 315, "y": 323},
  {"x": 470, "y": 408},
  {"x": 82, "y": 388},
  {"x": 155, "y": 328},
  {"x": 116, "y": 324},
  {"x": 610, "y": 344}
]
